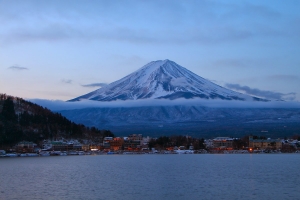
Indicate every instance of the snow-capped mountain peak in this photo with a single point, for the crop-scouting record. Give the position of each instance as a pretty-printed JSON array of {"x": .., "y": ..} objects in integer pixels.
[{"x": 162, "y": 79}]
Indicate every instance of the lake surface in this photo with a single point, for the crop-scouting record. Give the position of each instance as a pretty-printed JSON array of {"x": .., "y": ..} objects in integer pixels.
[{"x": 200, "y": 176}]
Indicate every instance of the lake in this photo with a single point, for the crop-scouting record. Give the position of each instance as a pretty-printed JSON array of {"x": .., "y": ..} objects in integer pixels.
[{"x": 199, "y": 176}]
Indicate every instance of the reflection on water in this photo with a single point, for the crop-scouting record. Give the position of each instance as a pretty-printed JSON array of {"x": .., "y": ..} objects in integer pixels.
[{"x": 151, "y": 177}]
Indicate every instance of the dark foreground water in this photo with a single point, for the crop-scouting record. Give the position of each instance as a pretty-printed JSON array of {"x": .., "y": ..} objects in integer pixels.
[{"x": 209, "y": 176}]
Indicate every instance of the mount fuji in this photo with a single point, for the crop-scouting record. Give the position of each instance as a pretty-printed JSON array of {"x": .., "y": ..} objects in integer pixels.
[
  {"x": 163, "y": 98},
  {"x": 163, "y": 79}
]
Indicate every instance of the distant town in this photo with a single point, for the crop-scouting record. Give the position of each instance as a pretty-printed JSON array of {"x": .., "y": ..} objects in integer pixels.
[{"x": 137, "y": 144}]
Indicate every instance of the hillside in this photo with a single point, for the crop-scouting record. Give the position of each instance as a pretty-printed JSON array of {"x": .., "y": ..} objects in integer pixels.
[{"x": 23, "y": 120}]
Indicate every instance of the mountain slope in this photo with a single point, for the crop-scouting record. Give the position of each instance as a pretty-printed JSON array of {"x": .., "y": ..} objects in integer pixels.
[
  {"x": 193, "y": 120},
  {"x": 23, "y": 120},
  {"x": 163, "y": 79}
]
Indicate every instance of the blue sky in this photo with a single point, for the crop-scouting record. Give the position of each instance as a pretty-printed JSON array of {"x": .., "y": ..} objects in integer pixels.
[{"x": 63, "y": 49}]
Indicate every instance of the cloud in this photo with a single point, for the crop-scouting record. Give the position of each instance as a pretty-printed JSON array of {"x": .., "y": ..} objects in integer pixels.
[
  {"x": 250, "y": 10},
  {"x": 262, "y": 93},
  {"x": 67, "y": 81},
  {"x": 204, "y": 22},
  {"x": 56, "y": 105},
  {"x": 231, "y": 63},
  {"x": 16, "y": 67},
  {"x": 281, "y": 77},
  {"x": 95, "y": 85},
  {"x": 242, "y": 62}
]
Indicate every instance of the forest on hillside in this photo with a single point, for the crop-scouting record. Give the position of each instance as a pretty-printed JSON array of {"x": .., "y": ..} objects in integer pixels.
[{"x": 23, "y": 120}]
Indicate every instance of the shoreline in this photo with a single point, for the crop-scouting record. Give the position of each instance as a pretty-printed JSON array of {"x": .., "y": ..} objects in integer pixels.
[{"x": 83, "y": 153}]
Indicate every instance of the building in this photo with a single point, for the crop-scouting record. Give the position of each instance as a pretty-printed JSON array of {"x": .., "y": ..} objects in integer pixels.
[
  {"x": 209, "y": 143},
  {"x": 225, "y": 143},
  {"x": 116, "y": 144},
  {"x": 61, "y": 146},
  {"x": 107, "y": 143},
  {"x": 135, "y": 137},
  {"x": 95, "y": 147},
  {"x": 85, "y": 147},
  {"x": 259, "y": 144},
  {"x": 133, "y": 142},
  {"x": 2, "y": 152},
  {"x": 26, "y": 147}
]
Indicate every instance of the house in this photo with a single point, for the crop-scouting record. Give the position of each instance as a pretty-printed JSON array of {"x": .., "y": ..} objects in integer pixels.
[{"x": 260, "y": 144}]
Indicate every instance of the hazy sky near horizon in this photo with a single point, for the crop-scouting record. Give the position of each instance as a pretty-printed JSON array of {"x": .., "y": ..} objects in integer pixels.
[{"x": 64, "y": 49}]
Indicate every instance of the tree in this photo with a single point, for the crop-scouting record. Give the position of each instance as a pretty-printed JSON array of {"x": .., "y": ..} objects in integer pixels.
[{"x": 8, "y": 111}]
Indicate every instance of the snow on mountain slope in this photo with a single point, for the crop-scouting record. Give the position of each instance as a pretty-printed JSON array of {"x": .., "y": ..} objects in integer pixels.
[{"x": 163, "y": 79}]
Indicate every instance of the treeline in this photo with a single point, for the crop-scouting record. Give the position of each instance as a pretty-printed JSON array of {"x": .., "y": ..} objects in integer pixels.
[{"x": 23, "y": 120}]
